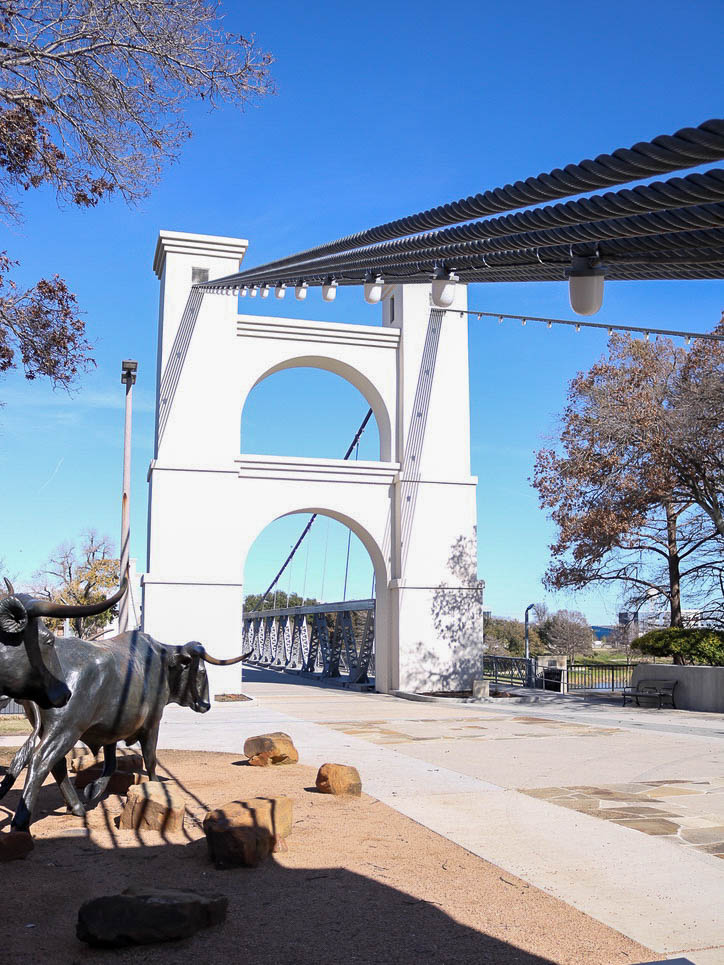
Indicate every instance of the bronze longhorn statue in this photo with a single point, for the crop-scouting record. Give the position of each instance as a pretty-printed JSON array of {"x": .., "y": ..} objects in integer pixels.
[{"x": 119, "y": 688}]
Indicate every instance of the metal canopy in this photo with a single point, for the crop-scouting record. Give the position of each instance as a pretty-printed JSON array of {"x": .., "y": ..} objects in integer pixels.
[{"x": 670, "y": 229}]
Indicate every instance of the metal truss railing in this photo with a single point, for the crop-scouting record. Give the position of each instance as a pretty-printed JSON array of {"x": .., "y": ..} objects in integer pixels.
[{"x": 326, "y": 640}]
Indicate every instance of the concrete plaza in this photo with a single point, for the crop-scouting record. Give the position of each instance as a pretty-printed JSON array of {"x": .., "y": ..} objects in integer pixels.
[{"x": 619, "y": 813}]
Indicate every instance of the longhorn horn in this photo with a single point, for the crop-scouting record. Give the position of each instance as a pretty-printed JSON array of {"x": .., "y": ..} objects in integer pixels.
[
  {"x": 46, "y": 608},
  {"x": 8, "y": 584},
  {"x": 225, "y": 663}
]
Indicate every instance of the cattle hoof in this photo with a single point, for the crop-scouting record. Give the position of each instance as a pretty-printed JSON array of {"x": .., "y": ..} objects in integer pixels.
[
  {"x": 77, "y": 809},
  {"x": 92, "y": 793}
]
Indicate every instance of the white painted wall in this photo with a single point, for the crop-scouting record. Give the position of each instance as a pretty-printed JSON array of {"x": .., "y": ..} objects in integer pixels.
[{"x": 414, "y": 510}]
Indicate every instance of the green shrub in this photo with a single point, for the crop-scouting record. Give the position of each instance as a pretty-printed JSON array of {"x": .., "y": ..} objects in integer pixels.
[{"x": 686, "y": 645}]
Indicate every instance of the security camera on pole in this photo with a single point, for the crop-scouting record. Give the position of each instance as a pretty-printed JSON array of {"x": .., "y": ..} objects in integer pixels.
[{"x": 128, "y": 378}]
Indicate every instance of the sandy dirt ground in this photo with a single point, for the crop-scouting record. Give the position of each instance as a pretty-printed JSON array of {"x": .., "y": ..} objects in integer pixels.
[{"x": 359, "y": 883}]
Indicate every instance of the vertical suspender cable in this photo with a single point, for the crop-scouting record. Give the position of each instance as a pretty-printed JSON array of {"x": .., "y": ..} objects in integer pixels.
[
  {"x": 306, "y": 529},
  {"x": 349, "y": 540}
]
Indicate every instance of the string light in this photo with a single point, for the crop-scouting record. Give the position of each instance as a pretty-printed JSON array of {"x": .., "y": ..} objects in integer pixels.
[
  {"x": 443, "y": 288},
  {"x": 373, "y": 289},
  {"x": 329, "y": 290}
]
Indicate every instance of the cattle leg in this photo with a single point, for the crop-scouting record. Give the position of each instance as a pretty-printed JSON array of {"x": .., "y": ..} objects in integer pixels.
[
  {"x": 148, "y": 749},
  {"x": 23, "y": 755},
  {"x": 19, "y": 761},
  {"x": 53, "y": 747},
  {"x": 67, "y": 789},
  {"x": 94, "y": 791}
]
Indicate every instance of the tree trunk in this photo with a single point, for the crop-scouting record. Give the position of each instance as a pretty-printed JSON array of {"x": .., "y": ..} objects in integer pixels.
[{"x": 674, "y": 574}]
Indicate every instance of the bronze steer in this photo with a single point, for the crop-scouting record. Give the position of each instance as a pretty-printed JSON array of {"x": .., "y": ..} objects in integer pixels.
[{"x": 119, "y": 689}]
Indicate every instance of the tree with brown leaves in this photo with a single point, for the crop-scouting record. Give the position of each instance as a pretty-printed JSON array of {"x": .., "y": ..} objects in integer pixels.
[
  {"x": 92, "y": 98},
  {"x": 80, "y": 573},
  {"x": 614, "y": 489}
]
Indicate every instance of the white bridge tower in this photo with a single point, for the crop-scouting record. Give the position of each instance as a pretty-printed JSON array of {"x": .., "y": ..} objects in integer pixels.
[{"x": 413, "y": 509}]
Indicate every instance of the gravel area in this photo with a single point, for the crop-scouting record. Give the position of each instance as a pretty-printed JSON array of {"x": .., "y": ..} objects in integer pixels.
[{"x": 359, "y": 883}]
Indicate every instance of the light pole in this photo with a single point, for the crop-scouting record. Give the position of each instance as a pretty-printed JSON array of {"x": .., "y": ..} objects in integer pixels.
[
  {"x": 527, "y": 645},
  {"x": 128, "y": 378},
  {"x": 529, "y": 682}
]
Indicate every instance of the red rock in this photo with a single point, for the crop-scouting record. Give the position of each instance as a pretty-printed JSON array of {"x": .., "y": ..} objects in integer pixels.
[
  {"x": 142, "y": 916},
  {"x": 243, "y": 846},
  {"x": 276, "y": 748},
  {"x": 339, "y": 779},
  {"x": 272, "y": 813},
  {"x": 119, "y": 783},
  {"x": 153, "y": 806},
  {"x": 124, "y": 762}
]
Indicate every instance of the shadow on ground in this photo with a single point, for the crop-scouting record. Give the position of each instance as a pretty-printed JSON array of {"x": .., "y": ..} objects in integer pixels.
[{"x": 360, "y": 883}]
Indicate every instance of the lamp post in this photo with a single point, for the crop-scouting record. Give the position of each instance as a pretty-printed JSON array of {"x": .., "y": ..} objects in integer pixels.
[
  {"x": 527, "y": 645},
  {"x": 528, "y": 669},
  {"x": 128, "y": 378}
]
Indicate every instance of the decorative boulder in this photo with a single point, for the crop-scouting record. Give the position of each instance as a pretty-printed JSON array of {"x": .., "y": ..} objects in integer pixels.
[
  {"x": 15, "y": 845},
  {"x": 244, "y": 846},
  {"x": 127, "y": 763},
  {"x": 153, "y": 807},
  {"x": 226, "y": 828},
  {"x": 142, "y": 916},
  {"x": 339, "y": 779},
  {"x": 120, "y": 783},
  {"x": 276, "y": 748}
]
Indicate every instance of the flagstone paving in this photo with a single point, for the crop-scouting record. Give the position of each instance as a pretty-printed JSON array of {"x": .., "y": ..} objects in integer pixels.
[
  {"x": 690, "y": 813},
  {"x": 452, "y": 729}
]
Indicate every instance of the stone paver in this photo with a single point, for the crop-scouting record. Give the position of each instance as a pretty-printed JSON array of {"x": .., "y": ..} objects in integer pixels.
[{"x": 649, "y": 807}]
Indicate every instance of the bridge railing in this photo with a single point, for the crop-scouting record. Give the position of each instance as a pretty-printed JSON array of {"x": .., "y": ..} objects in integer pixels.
[{"x": 329, "y": 640}]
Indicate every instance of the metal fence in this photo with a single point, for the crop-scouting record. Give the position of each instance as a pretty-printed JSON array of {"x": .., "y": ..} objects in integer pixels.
[
  {"x": 326, "y": 640},
  {"x": 599, "y": 676},
  {"x": 519, "y": 672},
  {"x": 516, "y": 671},
  {"x": 10, "y": 706}
]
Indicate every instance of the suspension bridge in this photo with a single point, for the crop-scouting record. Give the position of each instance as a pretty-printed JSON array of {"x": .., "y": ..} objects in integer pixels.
[{"x": 414, "y": 507}]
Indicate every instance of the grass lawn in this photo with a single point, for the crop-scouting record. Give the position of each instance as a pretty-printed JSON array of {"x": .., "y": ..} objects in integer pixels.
[{"x": 9, "y": 724}]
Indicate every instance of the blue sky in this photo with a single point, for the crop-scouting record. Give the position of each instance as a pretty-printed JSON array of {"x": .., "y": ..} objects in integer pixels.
[{"x": 380, "y": 111}]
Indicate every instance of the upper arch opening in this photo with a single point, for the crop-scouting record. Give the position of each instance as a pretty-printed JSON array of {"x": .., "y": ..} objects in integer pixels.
[{"x": 312, "y": 407}]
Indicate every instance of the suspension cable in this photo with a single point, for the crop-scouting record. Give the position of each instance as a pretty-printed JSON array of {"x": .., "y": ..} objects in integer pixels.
[
  {"x": 577, "y": 324},
  {"x": 306, "y": 529}
]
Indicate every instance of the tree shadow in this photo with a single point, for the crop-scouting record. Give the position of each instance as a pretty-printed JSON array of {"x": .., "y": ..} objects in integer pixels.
[{"x": 457, "y": 613}]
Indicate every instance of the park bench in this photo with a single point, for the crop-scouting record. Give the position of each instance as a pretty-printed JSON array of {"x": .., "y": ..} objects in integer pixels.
[{"x": 659, "y": 689}]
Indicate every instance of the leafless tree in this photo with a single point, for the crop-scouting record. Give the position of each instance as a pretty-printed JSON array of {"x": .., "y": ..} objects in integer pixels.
[
  {"x": 92, "y": 98},
  {"x": 82, "y": 572},
  {"x": 566, "y": 632}
]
